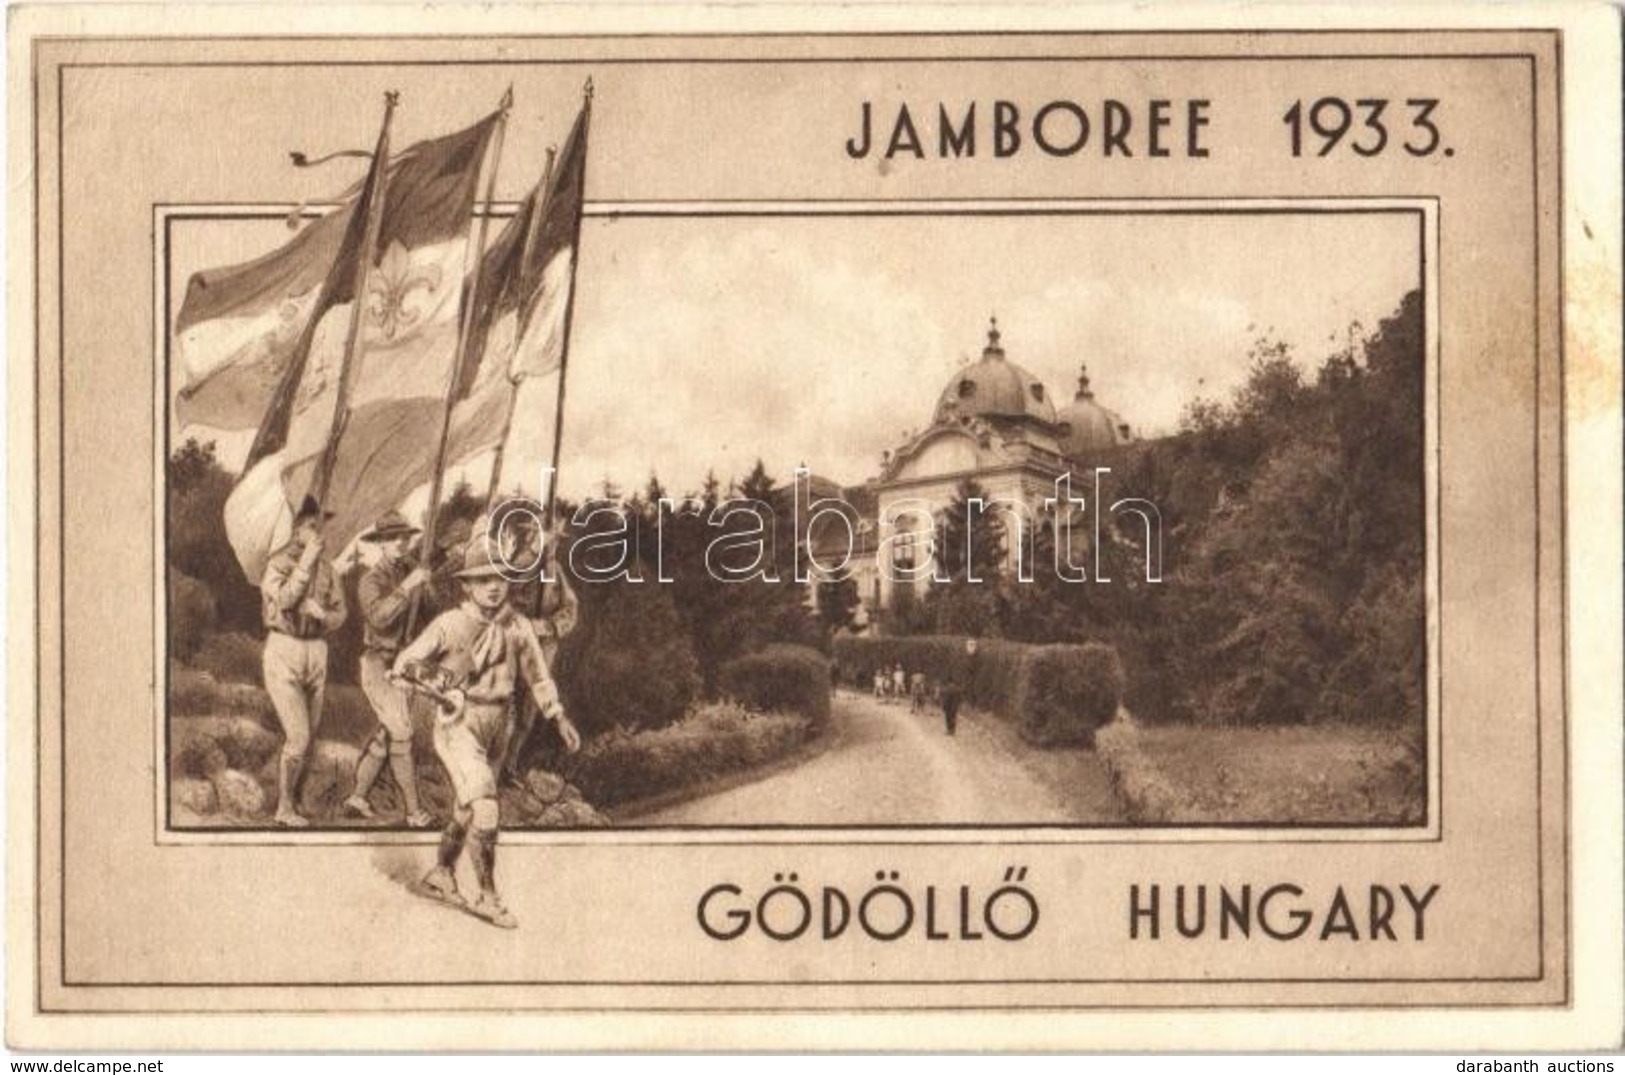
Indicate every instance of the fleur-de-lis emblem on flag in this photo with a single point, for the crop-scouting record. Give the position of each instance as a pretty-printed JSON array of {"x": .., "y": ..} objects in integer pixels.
[{"x": 393, "y": 287}]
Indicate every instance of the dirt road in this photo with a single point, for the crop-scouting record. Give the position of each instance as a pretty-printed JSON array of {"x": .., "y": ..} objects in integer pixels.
[{"x": 888, "y": 766}]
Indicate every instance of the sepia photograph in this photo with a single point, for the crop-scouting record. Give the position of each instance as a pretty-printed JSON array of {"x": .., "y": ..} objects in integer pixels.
[
  {"x": 822, "y": 543},
  {"x": 563, "y": 529}
]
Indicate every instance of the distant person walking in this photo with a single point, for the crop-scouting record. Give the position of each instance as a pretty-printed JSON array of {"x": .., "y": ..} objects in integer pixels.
[
  {"x": 958, "y": 686},
  {"x": 916, "y": 692},
  {"x": 899, "y": 682}
]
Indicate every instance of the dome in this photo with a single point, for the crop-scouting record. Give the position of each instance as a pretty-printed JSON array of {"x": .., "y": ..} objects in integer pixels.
[
  {"x": 1087, "y": 427},
  {"x": 994, "y": 388}
]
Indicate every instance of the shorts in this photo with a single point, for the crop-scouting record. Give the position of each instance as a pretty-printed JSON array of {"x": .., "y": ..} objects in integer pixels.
[
  {"x": 465, "y": 745},
  {"x": 387, "y": 700}
]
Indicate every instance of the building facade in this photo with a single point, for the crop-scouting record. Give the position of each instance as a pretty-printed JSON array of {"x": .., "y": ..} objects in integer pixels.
[{"x": 994, "y": 424}]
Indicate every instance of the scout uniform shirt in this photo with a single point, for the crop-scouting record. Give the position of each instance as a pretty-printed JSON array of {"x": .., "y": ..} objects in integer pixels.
[
  {"x": 488, "y": 657},
  {"x": 384, "y": 606},
  {"x": 286, "y": 584}
]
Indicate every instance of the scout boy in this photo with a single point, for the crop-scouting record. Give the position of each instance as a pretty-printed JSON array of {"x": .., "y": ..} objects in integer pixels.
[
  {"x": 552, "y": 607},
  {"x": 483, "y": 650},
  {"x": 302, "y": 603},
  {"x": 385, "y": 595}
]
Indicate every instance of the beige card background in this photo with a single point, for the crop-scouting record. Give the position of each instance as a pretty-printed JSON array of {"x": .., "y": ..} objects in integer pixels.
[{"x": 1520, "y": 235}]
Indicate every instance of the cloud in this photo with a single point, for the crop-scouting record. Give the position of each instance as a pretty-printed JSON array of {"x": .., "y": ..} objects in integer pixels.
[{"x": 728, "y": 347}]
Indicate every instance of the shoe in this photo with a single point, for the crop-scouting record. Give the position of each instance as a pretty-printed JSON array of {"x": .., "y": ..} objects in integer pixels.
[
  {"x": 440, "y": 884},
  {"x": 290, "y": 820},
  {"x": 489, "y": 907},
  {"x": 355, "y": 804},
  {"x": 420, "y": 820}
]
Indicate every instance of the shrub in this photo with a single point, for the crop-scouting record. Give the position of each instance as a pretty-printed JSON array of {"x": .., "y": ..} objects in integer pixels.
[
  {"x": 1054, "y": 694},
  {"x": 232, "y": 657},
  {"x": 191, "y": 614},
  {"x": 940, "y": 657},
  {"x": 195, "y": 693},
  {"x": 629, "y": 662},
  {"x": 781, "y": 678},
  {"x": 1064, "y": 693},
  {"x": 621, "y": 765}
]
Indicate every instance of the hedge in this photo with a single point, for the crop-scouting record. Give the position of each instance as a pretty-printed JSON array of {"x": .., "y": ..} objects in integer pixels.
[
  {"x": 939, "y": 657},
  {"x": 1063, "y": 693},
  {"x": 622, "y": 765},
  {"x": 1054, "y": 694},
  {"x": 780, "y": 678}
]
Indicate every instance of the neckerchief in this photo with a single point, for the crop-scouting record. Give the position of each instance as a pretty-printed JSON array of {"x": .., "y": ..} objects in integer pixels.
[{"x": 490, "y": 645}]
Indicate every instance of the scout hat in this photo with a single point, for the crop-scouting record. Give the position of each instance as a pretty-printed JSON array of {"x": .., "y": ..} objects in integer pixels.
[
  {"x": 479, "y": 562},
  {"x": 390, "y": 525}
]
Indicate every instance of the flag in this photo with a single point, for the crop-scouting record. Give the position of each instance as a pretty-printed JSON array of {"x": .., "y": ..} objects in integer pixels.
[
  {"x": 239, "y": 327},
  {"x": 495, "y": 357},
  {"x": 531, "y": 280},
  {"x": 404, "y": 352}
]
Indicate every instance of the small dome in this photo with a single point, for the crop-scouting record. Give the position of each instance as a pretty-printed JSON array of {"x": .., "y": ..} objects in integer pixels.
[
  {"x": 1087, "y": 427},
  {"x": 994, "y": 388}
]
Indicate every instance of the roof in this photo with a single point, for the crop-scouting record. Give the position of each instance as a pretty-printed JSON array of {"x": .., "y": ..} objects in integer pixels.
[
  {"x": 1086, "y": 426},
  {"x": 994, "y": 387}
]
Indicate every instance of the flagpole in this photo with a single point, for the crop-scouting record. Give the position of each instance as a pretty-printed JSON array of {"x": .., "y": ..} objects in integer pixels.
[
  {"x": 569, "y": 312},
  {"x": 538, "y": 212},
  {"x": 471, "y": 289},
  {"x": 352, "y": 350}
]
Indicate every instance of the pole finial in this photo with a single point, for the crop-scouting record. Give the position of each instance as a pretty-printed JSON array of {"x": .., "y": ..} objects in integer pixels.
[
  {"x": 392, "y": 98},
  {"x": 507, "y": 99},
  {"x": 586, "y": 90}
]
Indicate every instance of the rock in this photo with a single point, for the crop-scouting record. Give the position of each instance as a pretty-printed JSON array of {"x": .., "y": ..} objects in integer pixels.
[
  {"x": 197, "y": 796},
  {"x": 198, "y": 758},
  {"x": 572, "y": 814},
  {"x": 239, "y": 794},
  {"x": 546, "y": 786},
  {"x": 203, "y": 745}
]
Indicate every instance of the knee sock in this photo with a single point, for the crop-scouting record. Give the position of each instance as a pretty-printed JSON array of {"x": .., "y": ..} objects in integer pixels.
[
  {"x": 406, "y": 775},
  {"x": 485, "y": 860},
  {"x": 451, "y": 844}
]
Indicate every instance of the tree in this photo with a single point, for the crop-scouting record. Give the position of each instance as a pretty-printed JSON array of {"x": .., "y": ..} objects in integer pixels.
[
  {"x": 629, "y": 662},
  {"x": 774, "y": 608},
  {"x": 970, "y": 555},
  {"x": 905, "y": 613},
  {"x": 196, "y": 545},
  {"x": 970, "y": 542},
  {"x": 838, "y": 602}
]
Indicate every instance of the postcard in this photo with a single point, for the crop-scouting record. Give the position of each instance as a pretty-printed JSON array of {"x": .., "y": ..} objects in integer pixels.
[{"x": 1045, "y": 528}]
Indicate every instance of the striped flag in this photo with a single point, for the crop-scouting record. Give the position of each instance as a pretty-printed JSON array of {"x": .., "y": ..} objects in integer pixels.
[
  {"x": 533, "y": 285},
  {"x": 234, "y": 341}
]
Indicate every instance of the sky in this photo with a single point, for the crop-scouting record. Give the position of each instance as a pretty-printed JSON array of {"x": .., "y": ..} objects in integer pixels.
[{"x": 704, "y": 342}]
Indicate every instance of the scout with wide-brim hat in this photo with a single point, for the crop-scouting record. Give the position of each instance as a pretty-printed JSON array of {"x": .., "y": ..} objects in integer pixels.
[
  {"x": 390, "y": 525},
  {"x": 480, "y": 561},
  {"x": 492, "y": 653},
  {"x": 386, "y": 592}
]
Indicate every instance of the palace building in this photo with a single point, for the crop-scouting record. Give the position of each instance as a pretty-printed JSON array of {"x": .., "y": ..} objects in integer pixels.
[{"x": 994, "y": 423}]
